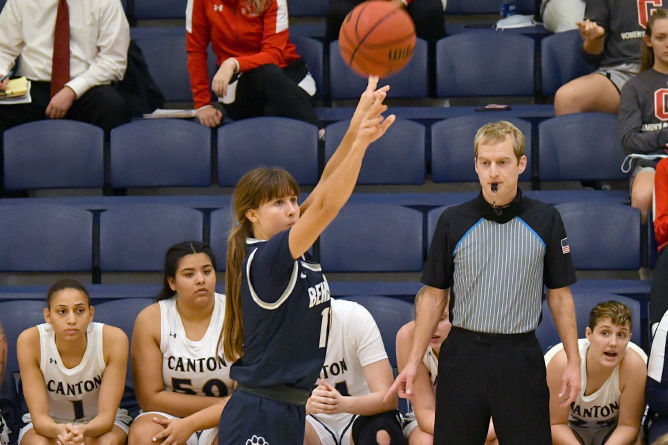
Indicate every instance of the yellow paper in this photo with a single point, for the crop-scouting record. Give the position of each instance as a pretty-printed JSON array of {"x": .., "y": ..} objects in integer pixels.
[{"x": 16, "y": 87}]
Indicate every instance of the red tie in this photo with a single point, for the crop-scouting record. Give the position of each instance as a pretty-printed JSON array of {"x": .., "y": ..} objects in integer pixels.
[{"x": 60, "y": 67}]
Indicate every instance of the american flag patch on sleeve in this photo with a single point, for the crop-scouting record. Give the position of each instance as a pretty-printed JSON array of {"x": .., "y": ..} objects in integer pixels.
[{"x": 565, "y": 248}]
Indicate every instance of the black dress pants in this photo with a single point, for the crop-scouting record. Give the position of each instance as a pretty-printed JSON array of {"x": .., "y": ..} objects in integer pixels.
[
  {"x": 101, "y": 105},
  {"x": 491, "y": 375}
]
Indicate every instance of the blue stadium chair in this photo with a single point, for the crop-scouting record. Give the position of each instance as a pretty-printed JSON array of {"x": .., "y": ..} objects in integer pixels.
[
  {"x": 373, "y": 238},
  {"x": 602, "y": 235},
  {"x": 652, "y": 244},
  {"x": 487, "y": 6},
  {"x": 135, "y": 237},
  {"x": 160, "y": 152},
  {"x": 45, "y": 238},
  {"x": 159, "y": 9},
  {"x": 390, "y": 314},
  {"x": 561, "y": 60},
  {"x": 582, "y": 146},
  {"x": 220, "y": 225},
  {"x": 53, "y": 154},
  {"x": 17, "y": 316},
  {"x": 485, "y": 63},
  {"x": 396, "y": 158},
  {"x": 452, "y": 156},
  {"x": 584, "y": 302},
  {"x": 410, "y": 82},
  {"x": 308, "y": 8},
  {"x": 268, "y": 141},
  {"x": 312, "y": 52},
  {"x": 164, "y": 49}
]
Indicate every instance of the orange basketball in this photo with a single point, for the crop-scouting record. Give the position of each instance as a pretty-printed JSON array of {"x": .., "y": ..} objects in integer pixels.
[{"x": 377, "y": 38}]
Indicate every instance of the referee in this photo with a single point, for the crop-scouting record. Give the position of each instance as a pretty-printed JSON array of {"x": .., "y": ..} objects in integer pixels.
[{"x": 489, "y": 260}]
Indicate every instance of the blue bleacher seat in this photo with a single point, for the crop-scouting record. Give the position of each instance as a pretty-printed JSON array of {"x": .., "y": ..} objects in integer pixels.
[
  {"x": 165, "y": 51},
  {"x": 561, "y": 60},
  {"x": 396, "y": 158},
  {"x": 373, "y": 238},
  {"x": 584, "y": 302},
  {"x": 308, "y": 8},
  {"x": 268, "y": 141},
  {"x": 582, "y": 146},
  {"x": 485, "y": 63},
  {"x": 135, "y": 237},
  {"x": 220, "y": 225},
  {"x": 312, "y": 52},
  {"x": 159, "y": 9},
  {"x": 17, "y": 316},
  {"x": 390, "y": 314},
  {"x": 652, "y": 244},
  {"x": 452, "y": 155},
  {"x": 45, "y": 238},
  {"x": 54, "y": 153},
  {"x": 602, "y": 235},
  {"x": 487, "y": 6},
  {"x": 160, "y": 152},
  {"x": 410, "y": 82}
]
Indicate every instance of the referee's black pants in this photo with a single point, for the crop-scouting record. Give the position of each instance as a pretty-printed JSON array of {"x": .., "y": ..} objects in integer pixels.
[{"x": 491, "y": 375}]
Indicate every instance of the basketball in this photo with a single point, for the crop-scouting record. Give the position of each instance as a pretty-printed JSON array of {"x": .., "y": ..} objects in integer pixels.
[{"x": 377, "y": 38}]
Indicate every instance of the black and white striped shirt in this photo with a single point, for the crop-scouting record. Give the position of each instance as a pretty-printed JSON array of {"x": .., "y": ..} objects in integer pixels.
[{"x": 496, "y": 264}]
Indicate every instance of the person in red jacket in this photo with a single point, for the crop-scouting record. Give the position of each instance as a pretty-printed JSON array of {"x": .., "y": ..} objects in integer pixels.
[
  {"x": 658, "y": 299},
  {"x": 260, "y": 72}
]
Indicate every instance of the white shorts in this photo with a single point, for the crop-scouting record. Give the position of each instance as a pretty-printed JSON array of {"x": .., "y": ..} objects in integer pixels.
[
  {"x": 410, "y": 423},
  {"x": 204, "y": 437},
  {"x": 333, "y": 429},
  {"x": 122, "y": 420}
]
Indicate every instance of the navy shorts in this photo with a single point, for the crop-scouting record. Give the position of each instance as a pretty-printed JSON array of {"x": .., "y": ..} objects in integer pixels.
[{"x": 252, "y": 420}]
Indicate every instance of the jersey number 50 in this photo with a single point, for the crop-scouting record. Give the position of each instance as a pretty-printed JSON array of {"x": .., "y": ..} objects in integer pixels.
[{"x": 212, "y": 388}]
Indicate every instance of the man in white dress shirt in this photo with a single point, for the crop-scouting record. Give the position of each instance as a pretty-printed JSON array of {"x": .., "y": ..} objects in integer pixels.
[{"x": 99, "y": 36}]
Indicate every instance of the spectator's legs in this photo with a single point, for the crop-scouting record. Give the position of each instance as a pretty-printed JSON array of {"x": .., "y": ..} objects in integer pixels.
[
  {"x": 13, "y": 115},
  {"x": 428, "y": 18},
  {"x": 338, "y": 9},
  {"x": 102, "y": 106},
  {"x": 642, "y": 190},
  {"x": 593, "y": 92},
  {"x": 269, "y": 91}
]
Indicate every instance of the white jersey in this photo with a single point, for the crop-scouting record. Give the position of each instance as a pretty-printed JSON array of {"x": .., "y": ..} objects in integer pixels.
[
  {"x": 72, "y": 392},
  {"x": 354, "y": 342},
  {"x": 193, "y": 367},
  {"x": 601, "y": 408}
]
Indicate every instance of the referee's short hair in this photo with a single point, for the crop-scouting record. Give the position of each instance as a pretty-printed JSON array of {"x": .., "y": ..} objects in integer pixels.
[
  {"x": 617, "y": 312},
  {"x": 496, "y": 132}
]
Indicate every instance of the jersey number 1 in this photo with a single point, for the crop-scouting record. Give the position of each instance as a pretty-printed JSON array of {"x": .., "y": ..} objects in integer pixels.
[
  {"x": 324, "y": 324},
  {"x": 78, "y": 409}
]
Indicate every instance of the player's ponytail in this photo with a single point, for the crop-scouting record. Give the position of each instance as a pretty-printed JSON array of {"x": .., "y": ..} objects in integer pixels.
[
  {"x": 647, "y": 53},
  {"x": 253, "y": 189}
]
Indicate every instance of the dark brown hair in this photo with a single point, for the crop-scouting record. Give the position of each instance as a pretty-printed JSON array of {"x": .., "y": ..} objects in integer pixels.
[{"x": 647, "y": 53}]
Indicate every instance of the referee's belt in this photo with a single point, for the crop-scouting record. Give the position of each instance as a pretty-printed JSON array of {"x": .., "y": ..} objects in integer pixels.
[{"x": 278, "y": 393}]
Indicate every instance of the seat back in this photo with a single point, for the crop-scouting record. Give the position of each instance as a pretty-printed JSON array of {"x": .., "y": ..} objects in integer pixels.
[
  {"x": 561, "y": 60},
  {"x": 485, "y": 63},
  {"x": 602, "y": 235},
  {"x": 287, "y": 143},
  {"x": 55, "y": 153},
  {"x": 373, "y": 238},
  {"x": 45, "y": 238},
  {"x": 410, "y": 82},
  {"x": 487, "y": 7},
  {"x": 390, "y": 314},
  {"x": 160, "y": 153},
  {"x": 452, "y": 155},
  {"x": 396, "y": 158},
  {"x": 582, "y": 146},
  {"x": 135, "y": 237},
  {"x": 220, "y": 226}
]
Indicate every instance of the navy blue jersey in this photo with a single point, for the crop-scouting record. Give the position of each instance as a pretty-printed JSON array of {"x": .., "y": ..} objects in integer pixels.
[{"x": 285, "y": 316}]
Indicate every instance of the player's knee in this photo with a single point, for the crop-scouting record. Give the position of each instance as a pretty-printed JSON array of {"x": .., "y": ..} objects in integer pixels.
[
  {"x": 142, "y": 430},
  {"x": 568, "y": 99},
  {"x": 383, "y": 437}
]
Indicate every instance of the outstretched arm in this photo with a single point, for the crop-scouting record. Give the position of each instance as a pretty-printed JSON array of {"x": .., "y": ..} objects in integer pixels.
[{"x": 334, "y": 189}]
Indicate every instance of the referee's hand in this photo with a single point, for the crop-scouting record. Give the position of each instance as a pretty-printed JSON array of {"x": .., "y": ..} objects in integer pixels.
[
  {"x": 570, "y": 384},
  {"x": 403, "y": 384}
]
